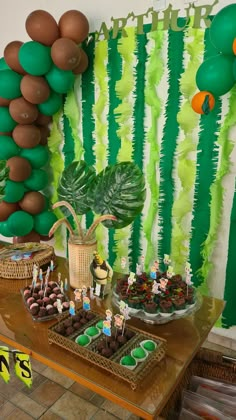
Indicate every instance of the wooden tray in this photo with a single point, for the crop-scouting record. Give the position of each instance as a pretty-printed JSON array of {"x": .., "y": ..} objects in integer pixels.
[{"x": 112, "y": 365}]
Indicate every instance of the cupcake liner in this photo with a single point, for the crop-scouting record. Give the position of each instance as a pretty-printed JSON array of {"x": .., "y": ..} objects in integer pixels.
[
  {"x": 137, "y": 358},
  {"x": 142, "y": 344},
  {"x": 130, "y": 367},
  {"x": 77, "y": 339},
  {"x": 92, "y": 337}
]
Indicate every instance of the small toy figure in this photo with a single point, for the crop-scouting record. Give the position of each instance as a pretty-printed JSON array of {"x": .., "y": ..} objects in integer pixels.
[
  {"x": 91, "y": 293},
  {"x": 131, "y": 279},
  {"x": 102, "y": 274},
  {"x": 118, "y": 321},
  {"x": 123, "y": 263},
  {"x": 108, "y": 315},
  {"x": 84, "y": 290},
  {"x": 170, "y": 272},
  {"x": 155, "y": 288},
  {"x": 139, "y": 271},
  {"x": 86, "y": 303},
  {"x": 156, "y": 264},
  {"x": 166, "y": 259},
  {"x": 163, "y": 284},
  {"x": 59, "y": 306},
  {"x": 78, "y": 293},
  {"x": 107, "y": 328},
  {"x": 153, "y": 273},
  {"x": 72, "y": 308}
]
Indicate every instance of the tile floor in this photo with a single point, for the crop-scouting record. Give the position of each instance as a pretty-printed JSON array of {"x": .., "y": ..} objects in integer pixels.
[{"x": 54, "y": 397}]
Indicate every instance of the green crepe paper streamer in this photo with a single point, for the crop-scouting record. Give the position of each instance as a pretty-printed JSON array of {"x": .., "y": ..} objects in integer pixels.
[
  {"x": 57, "y": 166},
  {"x": 101, "y": 126},
  {"x": 88, "y": 124},
  {"x": 114, "y": 71},
  {"x": 219, "y": 323},
  {"x": 217, "y": 189},
  {"x": 154, "y": 72},
  {"x": 71, "y": 111},
  {"x": 124, "y": 111},
  {"x": 139, "y": 134},
  {"x": 170, "y": 134},
  {"x": 207, "y": 159},
  {"x": 229, "y": 314},
  {"x": 186, "y": 167}
]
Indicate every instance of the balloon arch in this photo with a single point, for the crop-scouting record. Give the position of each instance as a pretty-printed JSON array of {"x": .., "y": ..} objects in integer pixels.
[{"x": 34, "y": 76}]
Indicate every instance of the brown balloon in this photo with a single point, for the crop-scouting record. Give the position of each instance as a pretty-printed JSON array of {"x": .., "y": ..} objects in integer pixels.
[
  {"x": 26, "y": 136},
  {"x": 45, "y": 133},
  {"x": 20, "y": 168},
  {"x": 43, "y": 119},
  {"x": 33, "y": 202},
  {"x": 65, "y": 54},
  {"x": 46, "y": 238},
  {"x": 6, "y": 209},
  {"x": 42, "y": 27},
  {"x": 4, "y": 102},
  {"x": 34, "y": 89},
  {"x": 31, "y": 237},
  {"x": 83, "y": 64},
  {"x": 23, "y": 111},
  {"x": 74, "y": 25},
  {"x": 11, "y": 56}
]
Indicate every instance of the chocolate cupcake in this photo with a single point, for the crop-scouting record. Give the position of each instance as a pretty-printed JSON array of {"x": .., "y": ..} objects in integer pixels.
[
  {"x": 179, "y": 303},
  {"x": 151, "y": 308},
  {"x": 166, "y": 307}
]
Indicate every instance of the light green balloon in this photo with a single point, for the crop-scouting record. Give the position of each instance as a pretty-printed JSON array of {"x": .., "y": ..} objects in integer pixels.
[
  {"x": 43, "y": 222},
  {"x": 20, "y": 223},
  {"x": 35, "y": 58},
  {"x": 61, "y": 81},
  {"x": 4, "y": 229},
  {"x": 215, "y": 75},
  {"x": 8, "y": 148},
  {"x": 6, "y": 121},
  {"x": 38, "y": 156},
  {"x": 14, "y": 191},
  {"x": 223, "y": 29},
  {"x": 37, "y": 181},
  {"x": 51, "y": 105},
  {"x": 10, "y": 84}
]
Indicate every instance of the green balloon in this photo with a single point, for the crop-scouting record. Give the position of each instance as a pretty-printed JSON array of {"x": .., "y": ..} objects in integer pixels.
[
  {"x": 8, "y": 148},
  {"x": 37, "y": 180},
  {"x": 51, "y": 105},
  {"x": 10, "y": 84},
  {"x": 43, "y": 222},
  {"x": 6, "y": 121},
  {"x": 47, "y": 203},
  {"x": 35, "y": 58},
  {"x": 3, "y": 64},
  {"x": 20, "y": 223},
  {"x": 38, "y": 156},
  {"x": 61, "y": 81},
  {"x": 223, "y": 29},
  {"x": 4, "y": 229},
  {"x": 216, "y": 75},
  {"x": 14, "y": 191}
]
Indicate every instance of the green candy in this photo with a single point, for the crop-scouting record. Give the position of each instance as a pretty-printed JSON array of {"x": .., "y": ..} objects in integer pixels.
[
  {"x": 149, "y": 345},
  {"x": 82, "y": 340},
  {"x": 139, "y": 353},
  {"x": 128, "y": 361},
  {"x": 92, "y": 331},
  {"x": 99, "y": 325}
]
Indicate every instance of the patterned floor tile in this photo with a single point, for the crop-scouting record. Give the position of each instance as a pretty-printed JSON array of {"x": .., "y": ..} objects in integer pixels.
[
  {"x": 28, "y": 405},
  {"x": 37, "y": 380},
  {"x": 19, "y": 415},
  {"x": 81, "y": 391},
  {"x": 103, "y": 415},
  {"x": 37, "y": 366},
  {"x": 97, "y": 400},
  {"x": 57, "y": 377},
  {"x": 6, "y": 390},
  {"x": 72, "y": 407},
  {"x": 6, "y": 409},
  {"x": 49, "y": 415},
  {"x": 47, "y": 393},
  {"x": 116, "y": 410}
]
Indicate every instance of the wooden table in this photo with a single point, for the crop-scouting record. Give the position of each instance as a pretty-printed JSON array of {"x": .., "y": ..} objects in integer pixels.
[{"x": 184, "y": 338}]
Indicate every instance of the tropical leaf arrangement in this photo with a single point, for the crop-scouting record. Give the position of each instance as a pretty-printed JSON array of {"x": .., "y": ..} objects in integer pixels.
[
  {"x": 4, "y": 171},
  {"x": 117, "y": 194}
]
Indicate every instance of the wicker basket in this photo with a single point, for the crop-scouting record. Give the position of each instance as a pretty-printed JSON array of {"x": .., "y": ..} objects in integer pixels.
[
  {"x": 80, "y": 257},
  {"x": 207, "y": 364},
  {"x": 23, "y": 269}
]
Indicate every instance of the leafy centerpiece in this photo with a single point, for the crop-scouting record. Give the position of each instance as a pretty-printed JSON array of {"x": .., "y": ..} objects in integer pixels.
[{"x": 116, "y": 194}]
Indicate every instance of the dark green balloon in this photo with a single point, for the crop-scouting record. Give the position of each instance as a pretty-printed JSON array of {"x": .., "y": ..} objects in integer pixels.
[
  {"x": 38, "y": 156},
  {"x": 20, "y": 223},
  {"x": 8, "y": 148},
  {"x": 3, "y": 64},
  {"x": 35, "y": 58},
  {"x": 14, "y": 191},
  {"x": 216, "y": 75},
  {"x": 61, "y": 81},
  {"x": 37, "y": 181},
  {"x": 51, "y": 105},
  {"x": 10, "y": 84},
  {"x": 43, "y": 222},
  {"x": 4, "y": 229},
  {"x": 6, "y": 121},
  {"x": 223, "y": 29}
]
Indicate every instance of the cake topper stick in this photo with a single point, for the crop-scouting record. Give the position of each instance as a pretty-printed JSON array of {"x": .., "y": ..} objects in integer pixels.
[
  {"x": 59, "y": 280},
  {"x": 170, "y": 272},
  {"x": 106, "y": 329},
  {"x": 118, "y": 322},
  {"x": 188, "y": 276},
  {"x": 131, "y": 280},
  {"x": 66, "y": 284},
  {"x": 86, "y": 303},
  {"x": 124, "y": 310},
  {"x": 123, "y": 263},
  {"x": 52, "y": 265},
  {"x": 41, "y": 277},
  {"x": 91, "y": 293},
  {"x": 166, "y": 260},
  {"x": 72, "y": 308},
  {"x": 142, "y": 259}
]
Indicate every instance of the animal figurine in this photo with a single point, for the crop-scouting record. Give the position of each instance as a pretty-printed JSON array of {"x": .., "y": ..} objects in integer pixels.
[{"x": 102, "y": 274}]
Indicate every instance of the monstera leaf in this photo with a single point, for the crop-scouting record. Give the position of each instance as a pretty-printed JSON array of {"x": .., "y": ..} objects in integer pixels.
[
  {"x": 119, "y": 190},
  {"x": 4, "y": 171},
  {"x": 74, "y": 184}
]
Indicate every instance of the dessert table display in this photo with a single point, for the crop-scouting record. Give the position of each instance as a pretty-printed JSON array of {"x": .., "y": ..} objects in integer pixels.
[{"x": 184, "y": 338}]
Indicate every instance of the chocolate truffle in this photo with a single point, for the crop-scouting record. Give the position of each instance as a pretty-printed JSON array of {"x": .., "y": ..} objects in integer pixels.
[
  {"x": 121, "y": 340},
  {"x": 107, "y": 352},
  {"x": 34, "y": 308},
  {"x": 65, "y": 305},
  {"x": 77, "y": 325},
  {"x": 114, "y": 346},
  {"x": 42, "y": 312},
  {"x": 69, "y": 331},
  {"x": 50, "y": 309},
  {"x": 83, "y": 321},
  {"x": 30, "y": 301},
  {"x": 68, "y": 322}
]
